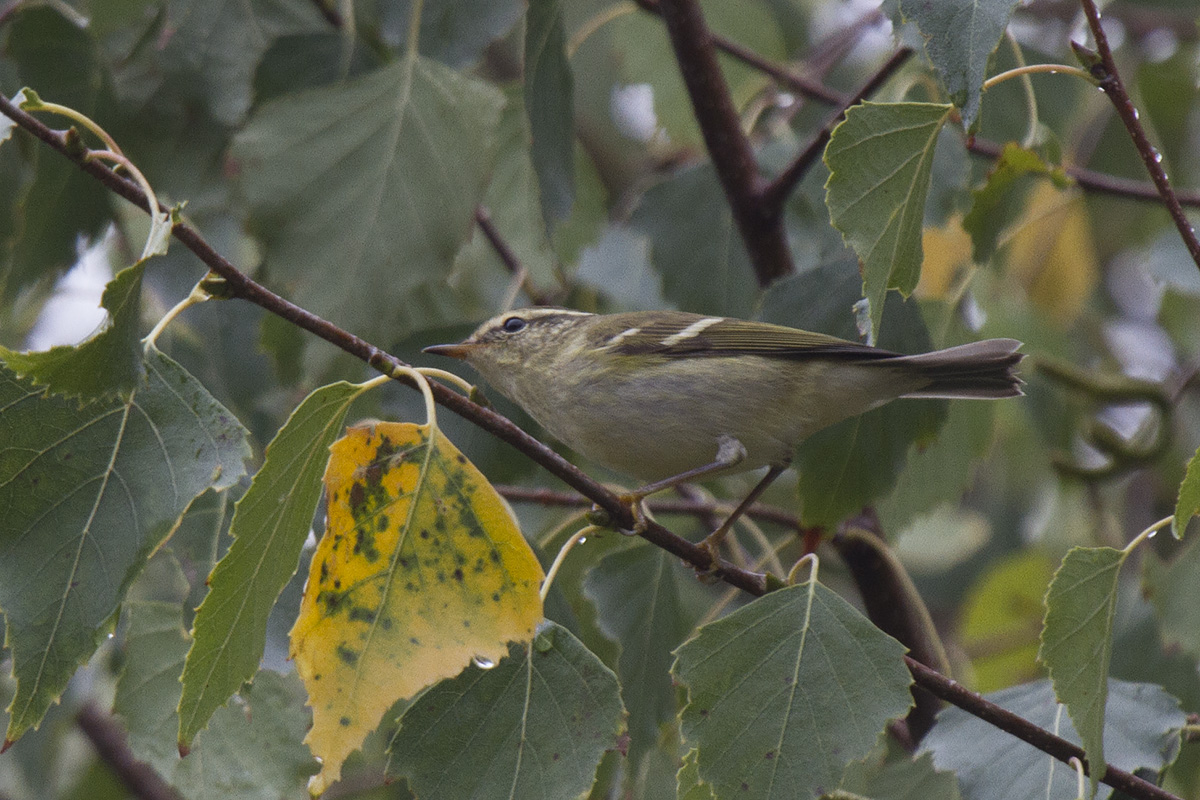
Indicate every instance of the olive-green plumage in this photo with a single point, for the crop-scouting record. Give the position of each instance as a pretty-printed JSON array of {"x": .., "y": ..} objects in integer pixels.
[{"x": 653, "y": 394}]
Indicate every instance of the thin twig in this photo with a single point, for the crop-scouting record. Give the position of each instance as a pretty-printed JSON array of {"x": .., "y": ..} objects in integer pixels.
[
  {"x": 776, "y": 194},
  {"x": 975, "y": 705},
  {"x": 108, "y": 739},
  {"x": 1110, "y": 81},
  {"x": 728, "y": 146}
]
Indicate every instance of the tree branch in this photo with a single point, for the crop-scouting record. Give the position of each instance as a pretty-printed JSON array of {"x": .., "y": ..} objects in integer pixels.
[
  {"x": 975, "y": 705},
  {"x": 728, "y": 146},
  {"x": 1105, "y": 69},
  {"x": 108, "y": 739}
]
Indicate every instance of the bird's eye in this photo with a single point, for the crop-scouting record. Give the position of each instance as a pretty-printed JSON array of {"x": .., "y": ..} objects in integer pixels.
[{"x": 513, "y": 324}]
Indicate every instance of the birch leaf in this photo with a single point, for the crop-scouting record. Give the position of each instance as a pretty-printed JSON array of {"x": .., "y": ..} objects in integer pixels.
[{"x": 421, "y": 569}]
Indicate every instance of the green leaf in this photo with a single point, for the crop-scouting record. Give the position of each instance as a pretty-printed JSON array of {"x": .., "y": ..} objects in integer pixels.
[
  {"x": 638, "y": 605},
  {"x": 214, "y": 48},
  {"x": 1171, "y": 588},
  {"x": 853, "y": 463},
  {"x": 1141, "y": 731},
  {"x": 999, "y": 203},
  {"x": 536, "y": 725},
  {"x": 1188, "y": 503},
  {"x": 108, "y": 363},
  {"x": 270, "y": 524},
  {"x": 784, "y": 692},
  {"x": 1077, "y": 640},
  {"x": 960, "y": 36},
  {"x": 402, "y": 156},
  {"x": 88, "y": 494},
  {"x": 252, "y": 749},
  {"x": 549, "y": 102},
  {"x": 148, "y": 689},
  {"x": 879, "y": 158},
  {"x": 695, "y": 245}
]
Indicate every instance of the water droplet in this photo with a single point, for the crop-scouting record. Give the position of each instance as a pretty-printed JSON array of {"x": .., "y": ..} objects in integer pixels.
[
  {"x": 1152, "y": 534},
  {"x": 110, "y": 636},
  {"x": 482, "y": 662},
  {"x": 582, "y": 539},
  {"x": 1136, "y": 115},
  {"x": 1157, "y": 157}
]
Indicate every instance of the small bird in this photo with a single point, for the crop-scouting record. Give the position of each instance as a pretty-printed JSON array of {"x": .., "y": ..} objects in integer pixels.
[{"x": 668, "y": 396}]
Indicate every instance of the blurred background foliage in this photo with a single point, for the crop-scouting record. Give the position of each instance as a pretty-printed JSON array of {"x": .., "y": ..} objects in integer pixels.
[{"x": 276, "y": 122}]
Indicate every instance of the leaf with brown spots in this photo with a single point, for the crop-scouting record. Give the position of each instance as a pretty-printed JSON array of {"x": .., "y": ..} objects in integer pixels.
[{"x": 421, "y": 569}]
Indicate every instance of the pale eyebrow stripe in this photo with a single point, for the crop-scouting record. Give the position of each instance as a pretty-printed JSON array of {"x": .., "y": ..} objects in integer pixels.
[{"x": 691, "y": 330}]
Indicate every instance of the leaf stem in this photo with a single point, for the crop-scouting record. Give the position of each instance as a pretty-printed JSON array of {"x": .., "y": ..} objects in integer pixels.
[
  {"x": 1034, "y": 69},
  {"x": 812, "y": 561},
  {"x": 576, "y": 538},
  {"x": 414, "y": 28},
  {"x": 1147, "y": 534},
  {"x": 448, "y": 377},
  {"x": 195, "y": 297},
  {"x": 401, "y": 371}
]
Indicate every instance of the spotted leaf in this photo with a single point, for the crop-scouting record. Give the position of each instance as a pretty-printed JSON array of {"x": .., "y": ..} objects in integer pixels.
[{"x": 421, "y": 569}]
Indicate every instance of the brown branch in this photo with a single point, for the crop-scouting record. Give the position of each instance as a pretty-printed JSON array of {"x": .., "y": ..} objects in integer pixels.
[
  {"x": 239, "y": 285},
  {"x": 235, "y": 283},
  {"x": 108, "y": 739},
  {"x": 1105, "y": 70},
  {"x": 776, "y": 194},
  {"x": 762, "y": 234},
  {"x": 975, "y": 705}
]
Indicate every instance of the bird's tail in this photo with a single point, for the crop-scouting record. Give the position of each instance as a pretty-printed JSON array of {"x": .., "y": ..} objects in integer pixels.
[{"x": 980, "y": 370}]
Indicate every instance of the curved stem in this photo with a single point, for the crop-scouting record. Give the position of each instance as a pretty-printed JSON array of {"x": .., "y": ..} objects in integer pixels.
[
  {"x": 1147, "y": 534},
  {"x": 598, "y": 21},
  {"x": 195, "y": 297},
  {"x": 1035, "y": 69},
  {"x": 579, "y": 537}
]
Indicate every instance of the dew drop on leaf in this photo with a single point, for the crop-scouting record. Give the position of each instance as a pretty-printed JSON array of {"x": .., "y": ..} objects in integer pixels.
[{"x": 482, "y": 662}]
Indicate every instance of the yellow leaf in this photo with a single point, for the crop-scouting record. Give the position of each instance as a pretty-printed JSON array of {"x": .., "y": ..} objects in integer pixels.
[
  {"x": 1052, "y": 254},
  {"x": 421, "y": 569}
]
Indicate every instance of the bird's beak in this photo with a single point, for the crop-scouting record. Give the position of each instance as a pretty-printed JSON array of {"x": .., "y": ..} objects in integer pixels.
[{"x": 459, "y": 350}]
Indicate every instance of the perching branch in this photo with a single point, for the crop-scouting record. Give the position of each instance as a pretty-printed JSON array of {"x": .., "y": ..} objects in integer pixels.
[
  {"x": 1104, "y": 68},
  {"x": 975, "y": 705}
]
